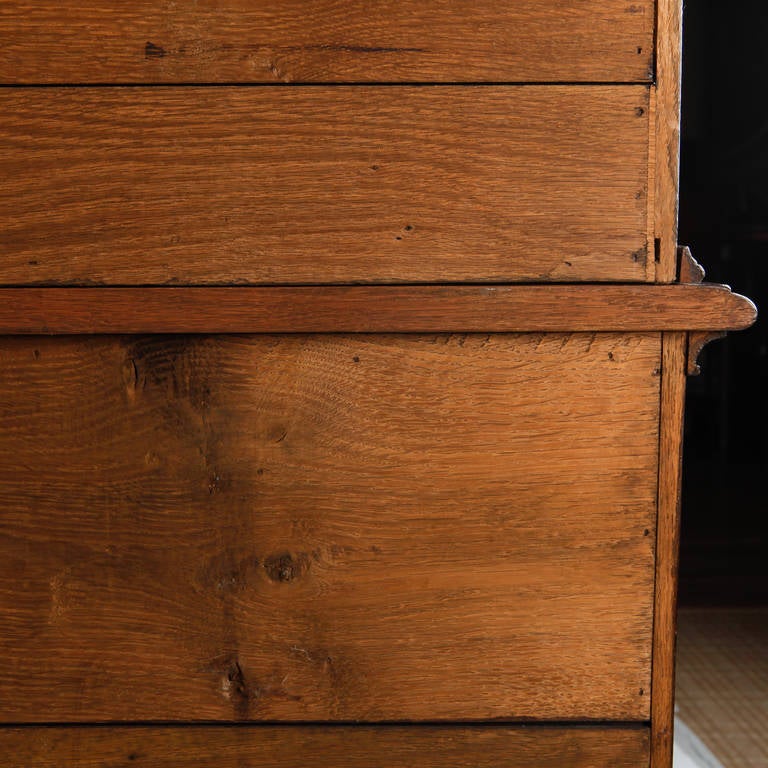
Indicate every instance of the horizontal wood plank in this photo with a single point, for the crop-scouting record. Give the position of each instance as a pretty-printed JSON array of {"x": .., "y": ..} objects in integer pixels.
[
  {"x": 362, "y": 309},
  {"x": 63, "y": 41},
  {"x": 327, "y": 527},
  {"x": 357, "y": 747},
  {"x": 323, "y": 184}
]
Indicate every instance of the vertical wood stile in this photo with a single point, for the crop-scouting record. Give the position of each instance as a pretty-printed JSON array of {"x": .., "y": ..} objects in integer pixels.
[
  {"x": 669, "y": 24},
  {"x": 674, "y": 358},
  {"x": 650, "y": 264}
]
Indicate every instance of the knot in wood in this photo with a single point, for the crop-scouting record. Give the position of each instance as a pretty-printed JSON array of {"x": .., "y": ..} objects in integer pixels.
[{"x": 283, "y": 567}]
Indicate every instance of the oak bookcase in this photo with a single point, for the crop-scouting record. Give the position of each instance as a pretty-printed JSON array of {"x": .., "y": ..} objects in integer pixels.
[{"x": 342, "y": 361}]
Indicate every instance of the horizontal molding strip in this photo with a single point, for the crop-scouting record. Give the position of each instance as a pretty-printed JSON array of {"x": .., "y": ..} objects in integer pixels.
[
  {"x": 354, "y": 746},
  {"x": 337, "y": 84},
  {"x": 374, "y": 309}
]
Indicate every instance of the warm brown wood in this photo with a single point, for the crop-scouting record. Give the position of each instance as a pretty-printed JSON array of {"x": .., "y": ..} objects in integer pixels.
[
  {"x": 667, "y": 120},
  {"x": 63, "y": 41},
  {"x": 650, "y": 263},
  {"x": 674, "y": 355},
  {"x": 689, "y": 271},
  {"x": 538, "y": 308},
  {"x": 323, "y": 184},
  {"x": 696, "y": 342},
  {"x": 358, "y": 747},
  {"x": 326, "y": 527}
]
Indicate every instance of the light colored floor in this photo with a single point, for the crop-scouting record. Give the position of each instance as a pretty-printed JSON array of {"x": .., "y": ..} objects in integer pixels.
[
  {"x": 690, "y": 751},
  {"x": 722, "y": 683}
]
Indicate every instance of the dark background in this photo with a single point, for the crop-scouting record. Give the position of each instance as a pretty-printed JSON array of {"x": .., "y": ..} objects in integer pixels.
[{"x": 724, "y": 218}]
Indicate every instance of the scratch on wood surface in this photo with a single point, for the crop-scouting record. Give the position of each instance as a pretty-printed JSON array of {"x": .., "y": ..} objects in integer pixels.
[
  {"x": 58, "y": 586},
  {"x": 356, "y": 48},
  {"x": 235, "y": 687},
  {"x": 152, "y": 51}
]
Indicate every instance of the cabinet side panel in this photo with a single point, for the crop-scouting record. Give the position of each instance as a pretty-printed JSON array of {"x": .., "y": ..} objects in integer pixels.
[{"x": 445, "y": 527}]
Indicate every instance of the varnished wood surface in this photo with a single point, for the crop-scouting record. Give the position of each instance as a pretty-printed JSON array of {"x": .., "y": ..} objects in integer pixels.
[
  {"x": 63, "y": 41},
  {"x": 325, "y": 527},
  {"x": 689, "y": 270},
  {"x": 667, "y": 130},
  {"x": 651, "y": 265},
  {"x": 323, "y": 184},
  {"x": 358, "y": 747},
  {"x": 373, "y": 308},
  {"x": 674, "y": 355},
  {"x": 696, "y": 343}
]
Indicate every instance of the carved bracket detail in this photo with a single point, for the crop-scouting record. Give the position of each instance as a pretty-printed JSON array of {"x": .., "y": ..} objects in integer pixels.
[
  {"x": 692, "y": 273},
  {"x": 689, "y": 271},
  {"x": 696, "y": 342}
]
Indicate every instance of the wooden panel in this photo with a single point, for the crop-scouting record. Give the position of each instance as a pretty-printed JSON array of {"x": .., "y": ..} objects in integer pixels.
[
  {"x": 359, "y": 747},
  {"x": 373, "y": 308},
  {"x": 323, "y": 184},
  {"x": 60, "y": 41},
  {"x": 674, "y": 354},
  {"x": 327, "y": 527}
]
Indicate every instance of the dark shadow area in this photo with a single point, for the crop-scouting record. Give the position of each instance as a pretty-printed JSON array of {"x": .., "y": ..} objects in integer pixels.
[{"x": 724, "y": 218}]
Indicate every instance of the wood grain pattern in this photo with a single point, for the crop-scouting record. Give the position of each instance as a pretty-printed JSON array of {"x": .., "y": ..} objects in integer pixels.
[
  {"x": 667, "y": 127},
  {"x": 689, "y": 270},
  {"x": 538, "y": 308},
  {"x": 651, "y": 264},
  {"x": 696, "y": 343},
  {"x": 62, "y": 41},
  {"x": 323, "y": 184},
  {"x": 358, "y": 747},
  {"x": 327, "y": 527},
  {"x": 674, "y": 352}
]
